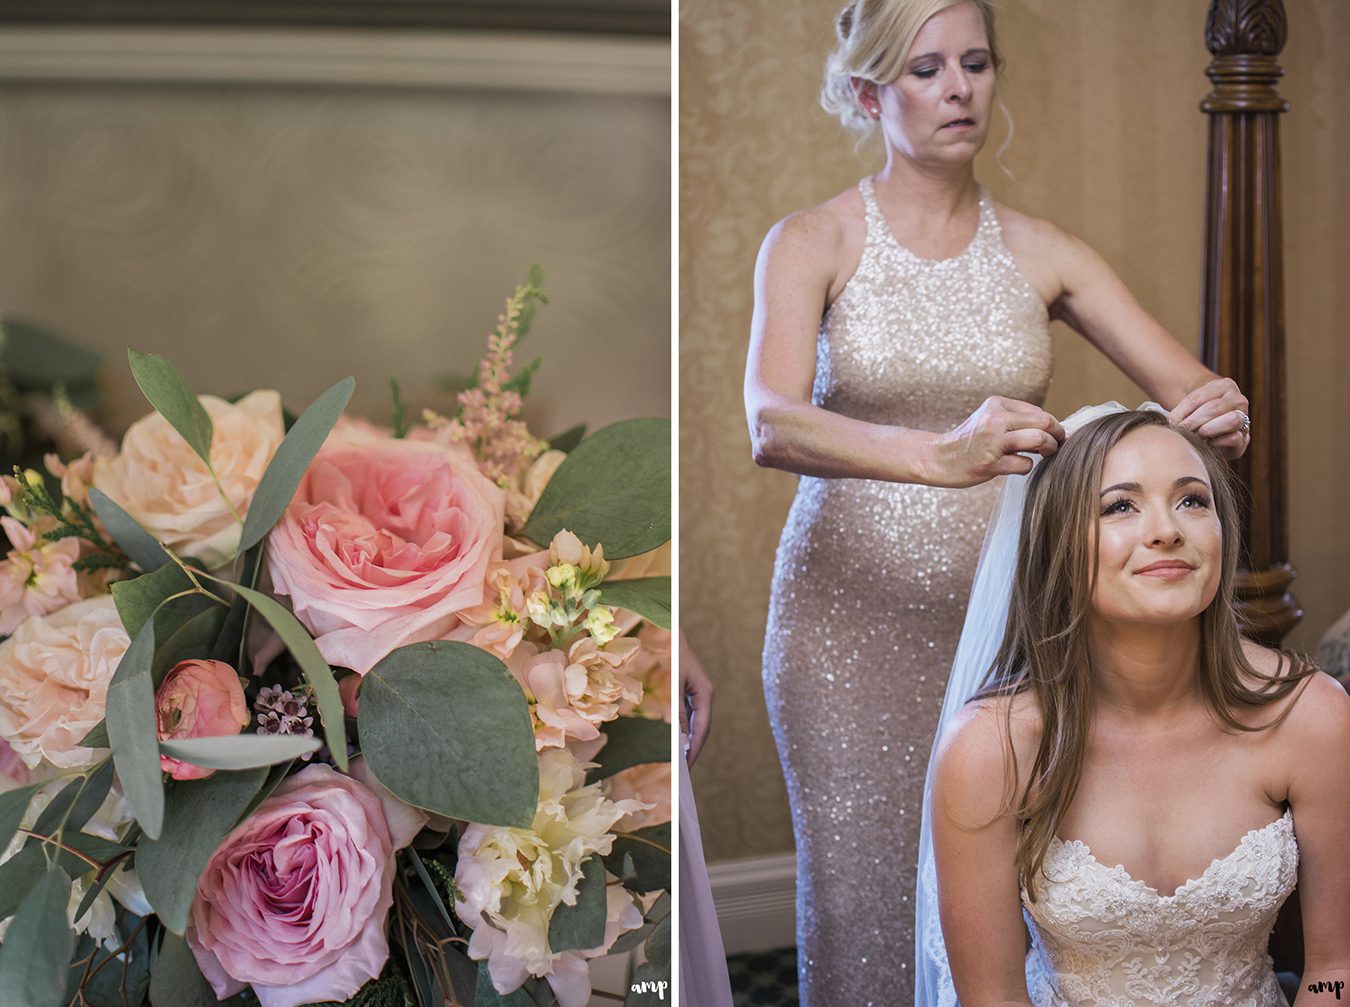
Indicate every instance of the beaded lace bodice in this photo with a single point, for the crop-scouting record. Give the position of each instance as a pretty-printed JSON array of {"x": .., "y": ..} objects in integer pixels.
[{"x": 1101, "y": 938}]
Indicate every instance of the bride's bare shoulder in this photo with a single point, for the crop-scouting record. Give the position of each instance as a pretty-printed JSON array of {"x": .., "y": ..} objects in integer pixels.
[{"x": 976, "y": 750}]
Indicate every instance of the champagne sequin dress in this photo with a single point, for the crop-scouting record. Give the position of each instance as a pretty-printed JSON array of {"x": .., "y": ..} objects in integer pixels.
[{"x": 869, "y": 593}]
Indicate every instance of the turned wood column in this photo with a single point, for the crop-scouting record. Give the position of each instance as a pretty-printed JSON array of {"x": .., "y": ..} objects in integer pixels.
[{"x": 1242, "y": 308}]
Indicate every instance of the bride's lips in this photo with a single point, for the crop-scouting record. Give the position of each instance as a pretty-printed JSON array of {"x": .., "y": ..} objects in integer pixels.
[{"x": 1167, "y": 569}]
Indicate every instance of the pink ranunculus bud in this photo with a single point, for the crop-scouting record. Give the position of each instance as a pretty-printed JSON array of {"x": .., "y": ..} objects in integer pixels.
[{"x": 198, "y": 699}]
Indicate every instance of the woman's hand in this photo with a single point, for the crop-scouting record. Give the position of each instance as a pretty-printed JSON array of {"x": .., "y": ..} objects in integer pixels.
[
  {"x": 696, "y": 692},
  {"x": 993, "y": 441},
  {"x": 1217, "y": 411}
]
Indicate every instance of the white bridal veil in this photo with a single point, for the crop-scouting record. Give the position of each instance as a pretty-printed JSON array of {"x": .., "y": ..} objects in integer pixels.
[{"x": 986, "y": 617}]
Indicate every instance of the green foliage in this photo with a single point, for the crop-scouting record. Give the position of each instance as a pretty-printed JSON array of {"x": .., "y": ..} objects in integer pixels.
[
  {"x": 614, "y": 488},
  {"x": 399, "y": 419},
  {"x": 134, "y": 733},
  {"x": 445, "y": 727},
  {"x": 199, "y": 815},
  {"x": 102, "y": 978},
  {"x": 73, "y": 520},
  {"x": 486, "y": 995},
  {"x": 130, "y": 537},
  {"x": 13, "y": 804},
  {"x": 649, "y": 597},
  {"x": 240, "y": 751},
  {"x": 317, "y": 672},
  {"x": 176, "y": 979},
  {"x": 582, "y": 925},
  {"x": 390, "y": 990},
  {"x": 138, "y": 599},
  {"x": 568, "y": 439},
  {"x": 38, "y": 945},
  {"x": 166, "y": 390},
  {"x": 292, "y": 458},
  {"x": 76, "y": 802},
  {"x": 632, "y": 741},
  {"x": 648, "y": 851}
]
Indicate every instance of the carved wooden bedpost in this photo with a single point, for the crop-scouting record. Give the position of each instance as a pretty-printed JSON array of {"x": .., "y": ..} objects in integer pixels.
[{"x": 1242, "y": 312}]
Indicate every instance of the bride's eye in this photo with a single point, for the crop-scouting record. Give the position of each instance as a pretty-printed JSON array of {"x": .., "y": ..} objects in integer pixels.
[
  {"x": 1121, "y": 506},
  {"x": 1195, "y": 501}
]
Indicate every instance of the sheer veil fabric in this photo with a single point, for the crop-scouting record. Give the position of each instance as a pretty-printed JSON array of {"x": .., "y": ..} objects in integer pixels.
[{"x": 981, "y": 636}]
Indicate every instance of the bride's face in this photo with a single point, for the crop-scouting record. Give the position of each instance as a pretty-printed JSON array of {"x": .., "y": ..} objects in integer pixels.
[{"x": 1159, "y": 541}]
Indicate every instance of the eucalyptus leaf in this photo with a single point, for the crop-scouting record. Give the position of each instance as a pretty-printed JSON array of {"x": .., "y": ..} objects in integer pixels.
[
  {"x": 649, "y": 850},
  {"x": 77, "y": 801},
  {"x": 18, "y": 875},
  {"x": 658, "y": 944},
  {"x": 486, "y": 995},
  {"x": 134, "y": 733},
  {"x": 138, "y": 599},
  {"x": 291, "y": 460},
  {"x": 189, "y": 638},
  {"x": 175, "y": 980},
  {"x": 38, "y": 945},
  {"x": 200, "y": 813},
  {"x": 13, "y": 804},
  {"x": 445, "y": 727},
  {"x": 581, "y": 925},
  {"x": 36, "y": 356},
  {"x": 135, "y": 541},
  {"x": 632, "y": 741},
  {"x": 425, "y": 878},
  {"x": 317, "y": 672},
  {"x": 114, "y": 980},
  {"x": 97, "y": 736},
  {"x": 229, "y": 645},
  {"x": 649, "y": 597},
  {"x": 97, "y": 885},
  {"x": 166, "y": 390},
  {"x": 568, "y": 439},
  {"x": 613, "y": 489},
  {"x": 240, "y": 751}
]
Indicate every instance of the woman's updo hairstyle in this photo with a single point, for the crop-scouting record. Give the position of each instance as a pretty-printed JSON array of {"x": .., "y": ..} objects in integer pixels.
[{"x": 875, "y": 37}]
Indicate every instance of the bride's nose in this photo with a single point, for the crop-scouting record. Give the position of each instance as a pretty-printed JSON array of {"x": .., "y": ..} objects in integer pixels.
[{"x": 1163, "y": 528}]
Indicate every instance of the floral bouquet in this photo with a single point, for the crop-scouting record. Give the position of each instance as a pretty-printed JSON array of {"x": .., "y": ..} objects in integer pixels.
[{"x": 316, "y": 711}]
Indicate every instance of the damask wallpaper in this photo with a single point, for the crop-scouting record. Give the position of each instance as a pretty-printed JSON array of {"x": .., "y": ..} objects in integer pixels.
[{"x": 1107, "y": 141}]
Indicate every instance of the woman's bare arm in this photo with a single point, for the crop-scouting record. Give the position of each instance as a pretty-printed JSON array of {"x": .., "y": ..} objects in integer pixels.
[
  {"x": 1319, "y": 796},
  {"x": 975, "y": 847}
]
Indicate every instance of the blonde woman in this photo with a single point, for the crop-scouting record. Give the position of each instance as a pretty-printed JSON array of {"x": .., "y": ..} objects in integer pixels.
[
  {"x": 1136, "y": 788},
  {"x": 899, "y": 354}
]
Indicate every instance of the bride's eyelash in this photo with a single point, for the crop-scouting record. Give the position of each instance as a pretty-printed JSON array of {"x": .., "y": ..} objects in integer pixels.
[
  {"x": 1110, "y": 506},
  {"x": 1191, "y": 501},
  {"x": 1201, "y": 500}
]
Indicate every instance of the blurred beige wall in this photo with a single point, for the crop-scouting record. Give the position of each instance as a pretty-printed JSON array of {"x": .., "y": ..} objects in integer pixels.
[
  {"x": 1109, "y": 143},
  {"x": 284, "y": 207}
]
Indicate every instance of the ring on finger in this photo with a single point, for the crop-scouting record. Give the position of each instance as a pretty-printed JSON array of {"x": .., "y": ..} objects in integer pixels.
[{"x": 1246, "y": 426}]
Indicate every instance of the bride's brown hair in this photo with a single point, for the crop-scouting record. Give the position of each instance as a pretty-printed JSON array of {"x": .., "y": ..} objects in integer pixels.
[{"x": 1046, "y": 646}]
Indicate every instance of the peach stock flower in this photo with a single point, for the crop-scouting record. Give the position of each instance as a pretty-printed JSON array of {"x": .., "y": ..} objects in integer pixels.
[
  {"x": 37, "y": 577},
  {"x": 384, "y": 544},
  {"x": 573, "y": 692},
  {"x": 54, "y": 675},
  {"x": 198, "y": 699},
  {"x": 159, "y": 480},
  {"x": 648, "y": 783}
]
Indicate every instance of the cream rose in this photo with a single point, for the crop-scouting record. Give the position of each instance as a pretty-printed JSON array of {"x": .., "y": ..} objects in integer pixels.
[
  {"x": 161, "y": 482},
  {"x": 54, "y": 675}
]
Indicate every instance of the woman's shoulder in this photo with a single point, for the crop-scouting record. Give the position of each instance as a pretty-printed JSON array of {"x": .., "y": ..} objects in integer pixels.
[
  {"x": 974, "y": 751},
  {"x": 1035, "y": 235},
  {"x": 1317, "y": 707},
  {"x": 825, "y": 226}
]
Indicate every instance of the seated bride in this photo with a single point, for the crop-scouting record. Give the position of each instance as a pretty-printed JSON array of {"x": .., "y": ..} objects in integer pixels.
[{"x": 1135, "y": 790}]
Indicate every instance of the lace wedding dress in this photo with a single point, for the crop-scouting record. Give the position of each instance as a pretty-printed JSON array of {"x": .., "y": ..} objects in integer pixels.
[{"x": 1101, "y": 938}]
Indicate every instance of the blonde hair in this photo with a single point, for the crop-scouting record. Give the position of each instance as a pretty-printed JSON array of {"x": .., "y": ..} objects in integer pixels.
[
  {"x": 1046, "y": 647},
  {"x": 875, "y": 37}
]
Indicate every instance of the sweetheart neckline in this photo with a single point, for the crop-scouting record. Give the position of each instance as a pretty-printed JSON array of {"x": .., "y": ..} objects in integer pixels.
[{"x": 1121, "y": 868}]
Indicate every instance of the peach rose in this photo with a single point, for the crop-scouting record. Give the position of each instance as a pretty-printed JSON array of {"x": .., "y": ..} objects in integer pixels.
[
  {"x": 384, "y": 544},
  {"x": 161, "y": 482},
  {"x": 54, "y": 675},
  {"x": 198, "y": 699}
]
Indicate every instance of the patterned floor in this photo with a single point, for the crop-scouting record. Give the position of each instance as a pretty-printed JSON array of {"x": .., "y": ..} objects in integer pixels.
[{"x": 764, "y": 979}]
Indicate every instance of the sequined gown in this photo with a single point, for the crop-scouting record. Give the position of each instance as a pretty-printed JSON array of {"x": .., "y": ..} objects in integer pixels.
[{"x": 869, "y": 593}]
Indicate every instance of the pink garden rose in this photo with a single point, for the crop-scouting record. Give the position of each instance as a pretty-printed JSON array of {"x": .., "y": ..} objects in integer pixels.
[
  {"x": 384, "y": 544},
  {"x": 294, "y": 900},
  {"x": 198, "y": 699},
  {"x": 54, "y": 675},
  {"x": 159, "y": 480}
]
